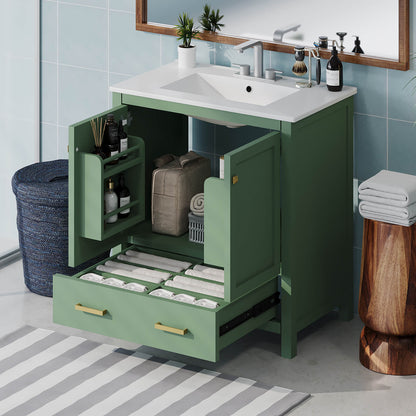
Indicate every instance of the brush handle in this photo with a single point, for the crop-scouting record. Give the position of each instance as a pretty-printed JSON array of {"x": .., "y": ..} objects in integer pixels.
[{"x": 318, "y": 71}]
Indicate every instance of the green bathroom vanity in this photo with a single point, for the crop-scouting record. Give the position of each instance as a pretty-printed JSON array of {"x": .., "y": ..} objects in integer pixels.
[{"x": 279, "y": 221}]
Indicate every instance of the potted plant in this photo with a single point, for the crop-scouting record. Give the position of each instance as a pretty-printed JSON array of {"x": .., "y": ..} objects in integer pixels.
[
  {"x": 210, "y": 19},
  {"x": 186, "y": 31}
]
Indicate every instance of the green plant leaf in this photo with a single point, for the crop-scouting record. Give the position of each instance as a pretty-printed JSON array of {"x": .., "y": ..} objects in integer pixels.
[{"x": 185, "y": 30}]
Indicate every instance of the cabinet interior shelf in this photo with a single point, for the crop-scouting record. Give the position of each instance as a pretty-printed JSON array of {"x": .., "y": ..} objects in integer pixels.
[{"x": 95, "y": 174}]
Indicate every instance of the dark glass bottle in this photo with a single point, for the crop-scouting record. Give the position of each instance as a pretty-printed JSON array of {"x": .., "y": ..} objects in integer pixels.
[
  {"x": 334, "y": 75},
  {"x": 123, "y": 139},
  {"x": 111, "y": 142},
  {"x": 123, "y": 196}
]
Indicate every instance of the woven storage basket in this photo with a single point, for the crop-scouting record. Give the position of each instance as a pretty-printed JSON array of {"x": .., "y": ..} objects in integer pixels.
[
  {"x": 196, "y": 228},
  {"x": 41, "y": 193}
]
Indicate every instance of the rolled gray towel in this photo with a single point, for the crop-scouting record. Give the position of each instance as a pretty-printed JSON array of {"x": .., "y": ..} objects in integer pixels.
[{"x": 197, "y": 204}]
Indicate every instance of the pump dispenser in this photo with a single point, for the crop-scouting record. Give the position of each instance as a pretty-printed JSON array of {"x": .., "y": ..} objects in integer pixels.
[
  {"x": 334, "y": 75},
  {"x": 357, "y": 47}
]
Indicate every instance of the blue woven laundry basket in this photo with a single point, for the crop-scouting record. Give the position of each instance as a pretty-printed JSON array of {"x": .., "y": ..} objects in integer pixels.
[{"x": 41, "y": 193}]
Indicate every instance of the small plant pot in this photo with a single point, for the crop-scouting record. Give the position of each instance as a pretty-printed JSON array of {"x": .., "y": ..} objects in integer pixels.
[{"x": 186, "y": 57}]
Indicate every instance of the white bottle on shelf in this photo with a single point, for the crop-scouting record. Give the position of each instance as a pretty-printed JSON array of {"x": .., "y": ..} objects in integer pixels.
[{"x": 110, "y": 202}]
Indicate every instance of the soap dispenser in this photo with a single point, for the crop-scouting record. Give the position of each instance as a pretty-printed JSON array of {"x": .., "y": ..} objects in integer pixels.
[
  {"x": 357, "y": 47},
  {"x": 334, "y": 75}
]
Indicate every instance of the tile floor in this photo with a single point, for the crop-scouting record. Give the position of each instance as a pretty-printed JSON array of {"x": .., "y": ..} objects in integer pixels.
[{"x": 326, "y": 366}]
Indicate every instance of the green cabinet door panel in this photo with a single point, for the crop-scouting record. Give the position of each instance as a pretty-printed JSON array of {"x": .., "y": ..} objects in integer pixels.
[
  {"x": 247, "y": 204},
  {"x": 81, "y": 141}
]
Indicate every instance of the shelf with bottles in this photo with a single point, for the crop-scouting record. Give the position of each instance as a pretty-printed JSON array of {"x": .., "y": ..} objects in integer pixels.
[{"x": 96, "y": 173}]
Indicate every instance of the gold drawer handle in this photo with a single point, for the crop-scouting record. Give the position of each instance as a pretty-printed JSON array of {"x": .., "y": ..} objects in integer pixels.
[
  {"x": 99, "y": 312},
  {"x": 235, "y": 179},
  {"x": 177, "y": 331}
]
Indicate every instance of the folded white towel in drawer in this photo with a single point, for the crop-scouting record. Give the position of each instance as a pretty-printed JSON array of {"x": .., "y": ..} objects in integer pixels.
[
  {"x": 150, "y": 262},
  {"x": 159, "y": 259},
  {"x": 184, "y": 286},
  {"x": 135, "y": 287},
  {"x": 162, "y": 293},
  {"x": 195, "y": 285},
  {"x": 135, "y": 269},
  {"x": 207, "y": 303},
  {"x": 112, "y": 281},
  {"x": 202, "y": 275},
  {"x": 199, "y": 283},
  {"x": 92, "y": 277},
  {"x": 182, "y": 297},
  {"x": 126, "y": 273},
  {"x": 395, "y": 215},
  {"x": 209, "y": 270},
  {"x": 391, "y": 188}
]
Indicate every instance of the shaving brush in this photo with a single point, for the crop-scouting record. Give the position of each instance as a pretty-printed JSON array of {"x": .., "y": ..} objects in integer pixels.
[{"x": 299, "y": 68}]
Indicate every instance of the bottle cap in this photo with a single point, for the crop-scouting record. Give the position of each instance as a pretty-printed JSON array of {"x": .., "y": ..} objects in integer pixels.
[{"x": 110, "y": 184}]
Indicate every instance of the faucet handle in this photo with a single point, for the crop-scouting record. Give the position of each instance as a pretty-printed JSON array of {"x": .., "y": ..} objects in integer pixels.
[
  {"x": 270, "y": 73},
  {"x": 244, "y": 68}
]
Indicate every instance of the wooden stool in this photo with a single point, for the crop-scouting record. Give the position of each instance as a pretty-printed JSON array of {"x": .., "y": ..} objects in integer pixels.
[{"x": 387, "y": 303}]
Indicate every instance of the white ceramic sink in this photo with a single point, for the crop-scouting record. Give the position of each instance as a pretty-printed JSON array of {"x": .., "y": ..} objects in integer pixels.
[
  {"x": 244, "y": 90},
  {"x": 218, "y": 88}
]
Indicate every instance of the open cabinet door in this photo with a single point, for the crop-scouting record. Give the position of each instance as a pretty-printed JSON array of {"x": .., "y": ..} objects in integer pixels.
[
  {"x": 89, "y": 235},
  {"x": 242, "y": 216}
]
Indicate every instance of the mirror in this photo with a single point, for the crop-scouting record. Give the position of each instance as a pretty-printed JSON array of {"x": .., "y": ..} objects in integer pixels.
[{"x": 282, "y": 26}]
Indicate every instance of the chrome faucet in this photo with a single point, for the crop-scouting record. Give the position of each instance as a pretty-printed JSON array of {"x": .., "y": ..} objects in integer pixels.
[
  {"x": 258, "y": 55},
  {"x": 278, "y": 33}
]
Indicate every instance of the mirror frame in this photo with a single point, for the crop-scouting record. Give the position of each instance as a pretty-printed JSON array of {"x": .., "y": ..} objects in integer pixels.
[{"x": 401, "y": 64}]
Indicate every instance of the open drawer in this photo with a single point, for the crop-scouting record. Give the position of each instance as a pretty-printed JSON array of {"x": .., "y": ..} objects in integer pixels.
[
  {"x": 242, "y": 237},
  {"x": 162, "y": 323}
]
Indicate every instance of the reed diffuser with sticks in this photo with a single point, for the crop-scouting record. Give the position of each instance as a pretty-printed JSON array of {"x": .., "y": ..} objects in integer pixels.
[{"x": 98, "y": 127}]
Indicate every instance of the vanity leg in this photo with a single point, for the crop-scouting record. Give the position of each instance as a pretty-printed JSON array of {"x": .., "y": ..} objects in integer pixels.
[{"x": 288, "y": 331}]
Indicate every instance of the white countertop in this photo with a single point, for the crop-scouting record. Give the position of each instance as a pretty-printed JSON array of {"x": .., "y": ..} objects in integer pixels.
[{"x": 295, "y": 107}]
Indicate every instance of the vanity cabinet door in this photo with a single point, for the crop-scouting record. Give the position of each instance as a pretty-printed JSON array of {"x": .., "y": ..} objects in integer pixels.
[
  {"x": 89, "y": 234},
  {"x": 242, "y": 216}
]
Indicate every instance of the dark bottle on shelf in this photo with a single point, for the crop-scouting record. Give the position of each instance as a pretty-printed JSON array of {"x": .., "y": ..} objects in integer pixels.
[
  {"x": 123, "y": 139},
  {"x": 111, "y": 137},
  {"x": 334, "y": 76},
  {"x": 123, "y": 197}
]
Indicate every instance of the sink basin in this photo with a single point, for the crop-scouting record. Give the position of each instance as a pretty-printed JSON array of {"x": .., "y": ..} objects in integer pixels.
[{"x": 243, "y": 90}]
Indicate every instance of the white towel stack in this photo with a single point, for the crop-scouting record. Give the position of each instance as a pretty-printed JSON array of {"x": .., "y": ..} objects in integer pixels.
[
  {"x": 120, "y": 269},
  {"x": 205, "y": 272},
  {"x": 389, "y": 197},
  {"x": 196, "y": 285},
  {"x": 150, "y": 260}
]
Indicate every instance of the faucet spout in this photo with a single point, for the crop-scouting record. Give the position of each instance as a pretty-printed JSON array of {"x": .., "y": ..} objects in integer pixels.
[{"x": 257, "y": 45}]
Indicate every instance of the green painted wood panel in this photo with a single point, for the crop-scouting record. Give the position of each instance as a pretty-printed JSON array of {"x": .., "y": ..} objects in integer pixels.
[
  {"x": 178, "y": 245},
  {"x": 81, "y": 141},
  {"x": 214, "y": 222},
  {"x": 191, "y": 110},
  {"x": 131, "y": 316},
  {"x": 248, "y": 231},
  {"x": 316, "y": 198}
]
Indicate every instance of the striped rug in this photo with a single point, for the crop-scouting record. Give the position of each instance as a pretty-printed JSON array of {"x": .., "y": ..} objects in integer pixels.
[{"x": 45, "y": 373}]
